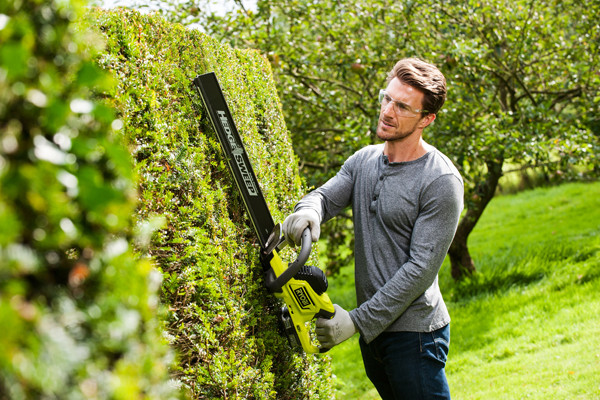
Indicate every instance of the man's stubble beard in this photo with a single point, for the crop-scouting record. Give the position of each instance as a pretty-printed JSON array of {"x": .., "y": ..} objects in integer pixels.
[{"x": 396, "y": 135}]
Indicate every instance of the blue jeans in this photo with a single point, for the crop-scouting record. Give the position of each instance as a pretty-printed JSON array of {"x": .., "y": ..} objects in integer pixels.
[{"x": 408, "y": 365}]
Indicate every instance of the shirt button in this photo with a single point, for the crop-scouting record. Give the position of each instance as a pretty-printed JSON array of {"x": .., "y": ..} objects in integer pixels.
[{"x": 381, "y": 178}]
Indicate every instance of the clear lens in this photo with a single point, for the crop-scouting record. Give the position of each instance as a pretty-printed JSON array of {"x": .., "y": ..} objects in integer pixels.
[{"x": 401, "y": 109}]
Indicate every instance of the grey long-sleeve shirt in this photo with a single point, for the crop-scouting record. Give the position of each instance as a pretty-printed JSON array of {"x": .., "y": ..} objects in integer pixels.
[{"x": 405, "y": 216}]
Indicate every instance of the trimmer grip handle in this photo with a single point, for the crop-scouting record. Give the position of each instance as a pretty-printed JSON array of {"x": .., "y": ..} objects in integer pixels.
[
  {"x": 305, "y": 248},
  {"x": 294, "y": 266},
  {"x": 328, "y": 315}
]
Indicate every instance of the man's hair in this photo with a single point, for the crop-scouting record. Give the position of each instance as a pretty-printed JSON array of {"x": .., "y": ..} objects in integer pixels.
[{"x": 425, "y": 77}]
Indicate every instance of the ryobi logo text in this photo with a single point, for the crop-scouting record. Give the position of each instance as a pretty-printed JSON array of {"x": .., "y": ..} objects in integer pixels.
[
  {"x": 302, "y": 297},
  {"x": 238, "y": 153}
]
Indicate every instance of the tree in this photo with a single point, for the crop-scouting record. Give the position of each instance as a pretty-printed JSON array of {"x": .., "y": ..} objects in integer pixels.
[{"x": 522, "y": 78}]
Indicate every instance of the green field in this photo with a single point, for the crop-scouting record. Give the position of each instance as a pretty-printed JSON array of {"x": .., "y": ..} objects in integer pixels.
[{"x": 527, "y": 326}]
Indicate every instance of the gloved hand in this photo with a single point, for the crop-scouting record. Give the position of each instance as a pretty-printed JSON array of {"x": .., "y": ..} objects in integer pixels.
[
  {"x": 331, "y": 332},
  {"x": 295, "y": 223}
]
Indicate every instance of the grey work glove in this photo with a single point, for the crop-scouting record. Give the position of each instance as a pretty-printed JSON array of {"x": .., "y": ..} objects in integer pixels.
[
  {"x": 334, "y": 331},
  {"x": 296, "y": 223}
]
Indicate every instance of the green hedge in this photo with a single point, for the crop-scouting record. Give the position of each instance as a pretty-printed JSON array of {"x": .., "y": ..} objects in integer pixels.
[
  {"x": 221, "y": 321},
  {"x": 78, "y": 309}
]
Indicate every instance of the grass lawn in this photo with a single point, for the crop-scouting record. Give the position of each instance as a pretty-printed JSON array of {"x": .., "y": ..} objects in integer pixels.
[{"x": 527, "y": 325}]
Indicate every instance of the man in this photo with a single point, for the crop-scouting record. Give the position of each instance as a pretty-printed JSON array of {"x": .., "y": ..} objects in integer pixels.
[{"x": 406, "y": 199}]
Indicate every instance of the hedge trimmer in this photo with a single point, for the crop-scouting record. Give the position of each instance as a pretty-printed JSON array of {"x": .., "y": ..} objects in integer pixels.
[{"x": 301, "y": 287}]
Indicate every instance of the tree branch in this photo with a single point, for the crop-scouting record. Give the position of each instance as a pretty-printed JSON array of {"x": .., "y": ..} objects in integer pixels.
[
  {"x": 315, "y": 130},
  {"x": 301, "y": 78}
]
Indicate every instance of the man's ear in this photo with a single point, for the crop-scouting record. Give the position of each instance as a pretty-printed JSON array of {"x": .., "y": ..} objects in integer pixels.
[{"x": 426, "y": 120}]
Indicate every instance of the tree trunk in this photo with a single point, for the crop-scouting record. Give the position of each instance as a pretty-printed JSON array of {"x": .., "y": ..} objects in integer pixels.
[{"x": 460, "y": 259}]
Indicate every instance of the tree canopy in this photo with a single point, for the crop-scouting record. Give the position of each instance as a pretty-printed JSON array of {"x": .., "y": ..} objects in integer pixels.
[{"x": 522, "y": 76}]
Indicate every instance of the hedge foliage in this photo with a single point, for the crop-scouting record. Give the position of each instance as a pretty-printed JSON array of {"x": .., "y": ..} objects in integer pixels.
[
  {"x": 221, "y": 320},
  {"x": 78, "y": 308}
]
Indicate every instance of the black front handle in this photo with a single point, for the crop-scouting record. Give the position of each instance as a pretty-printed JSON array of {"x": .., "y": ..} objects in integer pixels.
[{"x": 275, "y": 284}]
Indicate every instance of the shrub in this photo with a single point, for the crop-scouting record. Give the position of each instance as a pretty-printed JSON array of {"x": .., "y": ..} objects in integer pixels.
[
  {"x": 78, "y": 308},
  {"x": 220, "y": 319}
]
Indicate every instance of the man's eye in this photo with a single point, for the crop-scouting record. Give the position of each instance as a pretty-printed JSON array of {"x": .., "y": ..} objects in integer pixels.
[{"x": 403, "y": 107}]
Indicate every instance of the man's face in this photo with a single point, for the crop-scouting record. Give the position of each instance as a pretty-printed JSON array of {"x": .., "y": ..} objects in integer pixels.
[{"x": 395, "y": 126}]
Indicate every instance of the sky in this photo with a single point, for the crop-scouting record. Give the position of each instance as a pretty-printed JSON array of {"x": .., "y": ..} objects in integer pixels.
[{"x": 218, "y": 6}]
